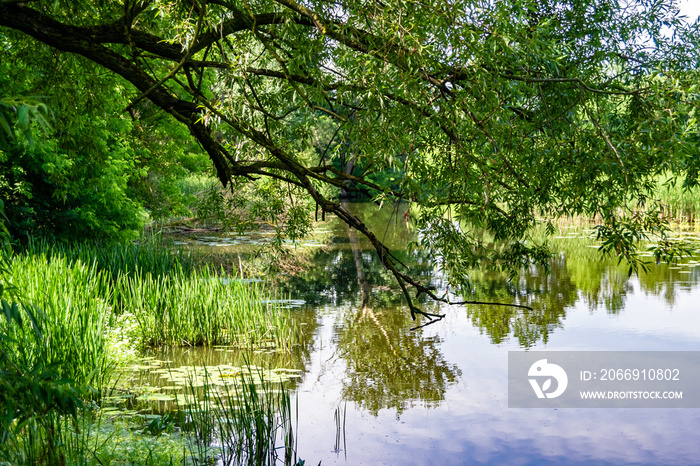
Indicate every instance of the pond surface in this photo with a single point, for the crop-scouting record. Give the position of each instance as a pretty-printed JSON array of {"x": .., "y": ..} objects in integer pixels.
[{"x": 373, "y": 392}]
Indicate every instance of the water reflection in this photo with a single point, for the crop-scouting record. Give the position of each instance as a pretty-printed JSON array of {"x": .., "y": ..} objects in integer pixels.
[
  {"x": 549, "y": 295},
  {"x": 438, "y": 395},
  {"x": 389, "y": 366},
  {"x": 348, "y": 272}
]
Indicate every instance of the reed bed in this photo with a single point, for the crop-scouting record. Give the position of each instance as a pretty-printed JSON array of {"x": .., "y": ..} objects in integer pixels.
[
  {"x": 681, "y": 204},
  {"x": 203, "y": 307},
  {"x": 248, "y": 421},
  {"x": 56, "y": 362},
  {"x": 149, "y": 255},
  {"x": 173, "y": 301},
  {"x": 71, "y": 305}
]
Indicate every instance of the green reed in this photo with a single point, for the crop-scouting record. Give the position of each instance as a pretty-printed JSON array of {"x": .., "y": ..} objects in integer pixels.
[
  {"x": 173, "y": 301},
  {"x": 76, "y": 295},
  {"x": 203, "y": 307},
  {"x": 681, "y": 204},
  {"x": 51, "y": 346},
  {"x": 72, "y": 307},
  {"x": 150, "y": 254},
  {"x": 249, "y": 421}
]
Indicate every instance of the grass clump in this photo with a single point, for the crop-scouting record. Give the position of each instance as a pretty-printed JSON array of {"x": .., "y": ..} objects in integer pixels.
[
  {"x": 71, "y": 303},
  {"x": 245, "y": 421},
  {"x": 203, "y": 308},
  {"x": 149, "y": 255}
]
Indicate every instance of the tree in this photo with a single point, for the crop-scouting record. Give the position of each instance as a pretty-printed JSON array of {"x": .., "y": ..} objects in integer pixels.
[
  {"x": 91, "y": 171},
  {"x": 488, "y": 115}
]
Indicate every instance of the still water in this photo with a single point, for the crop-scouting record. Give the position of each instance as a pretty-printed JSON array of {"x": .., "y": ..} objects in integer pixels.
[{"x": 374, "y": 392}]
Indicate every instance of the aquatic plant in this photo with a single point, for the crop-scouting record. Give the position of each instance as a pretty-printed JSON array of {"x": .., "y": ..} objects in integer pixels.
[
  {"x": 148, "y": 255},
  {"x": 35, "y": 402},
  {"x": 682, "y": 203},
  {"x": 203, "y": 308},
  {"x": 55, "y": 341},
  {"x": 246, "y": 417},
  {"x": 72, "y": 309}
]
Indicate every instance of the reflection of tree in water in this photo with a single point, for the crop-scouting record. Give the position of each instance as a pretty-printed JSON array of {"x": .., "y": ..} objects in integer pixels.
[
  {"x": 349, "y": 272},
  {"x": 600, "y": 280},
  {"x": 603, "y": 282},
  {"x": 548, "y": 295},
  {"x": 388, "y": 365},
  {"x": 331, "y": 277},
  {"x": 577, "y": 273}
]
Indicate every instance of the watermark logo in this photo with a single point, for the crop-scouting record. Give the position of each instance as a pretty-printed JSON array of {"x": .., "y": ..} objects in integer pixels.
[
  {"x": 546, "y": 372},
  {"x": 603, "y": 379}
]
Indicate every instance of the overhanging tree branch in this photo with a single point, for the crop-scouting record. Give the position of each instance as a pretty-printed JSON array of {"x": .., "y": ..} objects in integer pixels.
[{"x": 489, "y": 125}]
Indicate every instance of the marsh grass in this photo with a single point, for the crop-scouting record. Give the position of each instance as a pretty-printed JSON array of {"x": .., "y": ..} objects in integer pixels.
[
  {"x": 58, "y": 303},
  {"x": 173, "y": 301},
  {"x": 149, "y": 255},
  {"x": 203, "y": 307},
  {"x": 71, "y": 303},
  {"x": 681, "y": 204},
  {"x": 245, "y": 421},
  {"x": 56, "y": 364}
]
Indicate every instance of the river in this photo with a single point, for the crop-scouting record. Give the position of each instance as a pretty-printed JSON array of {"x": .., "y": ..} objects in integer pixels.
[{"x": 374, "y": 392}]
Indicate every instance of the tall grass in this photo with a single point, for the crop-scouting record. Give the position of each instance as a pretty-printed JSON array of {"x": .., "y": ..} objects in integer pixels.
[
  {"x": 202, "y": 308},
  {"x": 173, "y": 301},
  {"x": 149, "y": 255},
  {"x": 72, "y": 295},
  {"x": 72, "y": 308},
  {"x": 47, "y": 355},
  {"x": 250, "y": 421},
  {"x": 681, "y": 204}
]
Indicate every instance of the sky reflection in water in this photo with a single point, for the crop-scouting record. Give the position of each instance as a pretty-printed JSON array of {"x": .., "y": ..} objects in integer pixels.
[
  {"x": 438, "y": 396},
  {"x": 464, "y": 419}
]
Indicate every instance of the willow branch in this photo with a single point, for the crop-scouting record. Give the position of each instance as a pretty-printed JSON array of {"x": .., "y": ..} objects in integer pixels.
[{"x": 190, "y": 50}]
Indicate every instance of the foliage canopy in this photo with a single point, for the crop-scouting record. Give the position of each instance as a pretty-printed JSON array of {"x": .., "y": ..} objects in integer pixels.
[{"x": 485, "y": 114}]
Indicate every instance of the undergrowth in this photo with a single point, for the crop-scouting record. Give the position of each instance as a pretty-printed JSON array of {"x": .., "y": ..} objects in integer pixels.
[{"x": 72, "y": 314}]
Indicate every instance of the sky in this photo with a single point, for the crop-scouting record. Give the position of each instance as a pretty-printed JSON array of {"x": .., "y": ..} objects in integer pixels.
[{"x": 690, "y": 8}]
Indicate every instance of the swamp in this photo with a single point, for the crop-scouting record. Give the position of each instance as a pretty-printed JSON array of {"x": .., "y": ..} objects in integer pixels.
[
  {"x": 282, "y": 232},
  {"x": 326, "y": 366}
]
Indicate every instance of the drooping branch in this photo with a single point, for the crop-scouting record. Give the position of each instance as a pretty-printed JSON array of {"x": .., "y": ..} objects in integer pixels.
[
  {"x": 72, "y": 39},
  {"x": 470, "y": 141}
]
